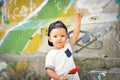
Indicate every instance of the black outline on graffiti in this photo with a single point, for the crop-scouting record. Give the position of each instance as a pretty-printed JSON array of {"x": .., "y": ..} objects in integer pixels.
[{"x": 91, "y": 37}]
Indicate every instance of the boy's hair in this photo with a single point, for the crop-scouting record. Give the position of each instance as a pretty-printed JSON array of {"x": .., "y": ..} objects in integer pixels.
[{"x": 57, "y": 24}]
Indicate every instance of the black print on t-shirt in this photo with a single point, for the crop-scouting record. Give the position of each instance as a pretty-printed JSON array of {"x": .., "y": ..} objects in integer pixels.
[{"x": 68, "y": 53}]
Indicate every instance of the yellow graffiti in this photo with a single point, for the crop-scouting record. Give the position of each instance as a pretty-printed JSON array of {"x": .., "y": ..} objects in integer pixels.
[
  {"x": 33, "y": 44},
  {"x": 16, "y": 10},
  {"x": 1, "y": 34},
  {"x": 22, "y": 65},
  {"x": 11, "y": 70}
]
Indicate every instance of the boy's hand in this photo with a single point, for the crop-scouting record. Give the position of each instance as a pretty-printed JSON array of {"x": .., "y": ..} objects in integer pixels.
[
  {"x": 63, "y": 78},
  {"x": 79, "y": 14}
]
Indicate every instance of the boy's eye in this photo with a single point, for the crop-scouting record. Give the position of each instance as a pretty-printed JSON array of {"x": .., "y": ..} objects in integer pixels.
[
  {"x": 63, "y": 36},
  {"x": 60, "y": 36},
  {"x": 55, "y": 36}
]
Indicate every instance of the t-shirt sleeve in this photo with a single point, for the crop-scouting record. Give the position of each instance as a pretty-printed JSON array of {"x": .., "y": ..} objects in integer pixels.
[
  {"x": 49, "y": 61},
  {"x": 69, "y": 45}
]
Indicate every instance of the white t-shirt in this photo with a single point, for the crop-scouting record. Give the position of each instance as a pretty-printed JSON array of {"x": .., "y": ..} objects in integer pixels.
[{"x": 62, "y": 61}]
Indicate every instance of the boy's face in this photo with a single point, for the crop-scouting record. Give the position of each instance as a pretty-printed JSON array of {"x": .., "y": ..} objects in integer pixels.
[{"x": 58, "y": 37}]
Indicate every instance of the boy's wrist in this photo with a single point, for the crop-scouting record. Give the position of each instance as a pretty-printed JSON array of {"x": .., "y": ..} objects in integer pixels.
[
  {"x": 57, "y": 78},
  {"x": 78, "y": 20}
]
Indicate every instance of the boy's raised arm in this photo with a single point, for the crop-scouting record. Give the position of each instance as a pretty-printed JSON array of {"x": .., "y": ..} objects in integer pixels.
[{"x": 77, "y": 27}]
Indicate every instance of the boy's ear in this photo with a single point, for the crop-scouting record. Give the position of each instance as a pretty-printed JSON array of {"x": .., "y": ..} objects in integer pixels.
[
  {"x": 49, "y": 39},
  {"x": 67, "y": 36}
]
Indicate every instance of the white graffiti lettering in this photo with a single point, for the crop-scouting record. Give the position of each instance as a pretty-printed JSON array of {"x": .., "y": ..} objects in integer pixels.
[
  {"x": 10, "y": 15},
  {"x": 11, "y": 2},
  {"x": 17, "y": 11},
  {"x": 23, "y": 11}
]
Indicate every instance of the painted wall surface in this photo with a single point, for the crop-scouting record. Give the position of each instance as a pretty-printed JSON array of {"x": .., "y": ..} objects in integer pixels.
[{"x": 24, "y": 23}]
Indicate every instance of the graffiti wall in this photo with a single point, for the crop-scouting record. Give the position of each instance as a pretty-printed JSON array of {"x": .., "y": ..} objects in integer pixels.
[{"x": 24, "y": 23}]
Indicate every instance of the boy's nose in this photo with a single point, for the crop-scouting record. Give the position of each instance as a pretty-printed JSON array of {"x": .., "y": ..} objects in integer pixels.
[{"x": 59, "y": 37}]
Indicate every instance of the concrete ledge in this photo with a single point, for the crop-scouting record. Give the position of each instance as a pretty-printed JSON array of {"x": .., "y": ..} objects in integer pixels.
[{"x": 35, "y": 63}]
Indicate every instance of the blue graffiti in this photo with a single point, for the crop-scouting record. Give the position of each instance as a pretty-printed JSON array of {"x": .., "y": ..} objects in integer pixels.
[{"x": 89, "y": 37}]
